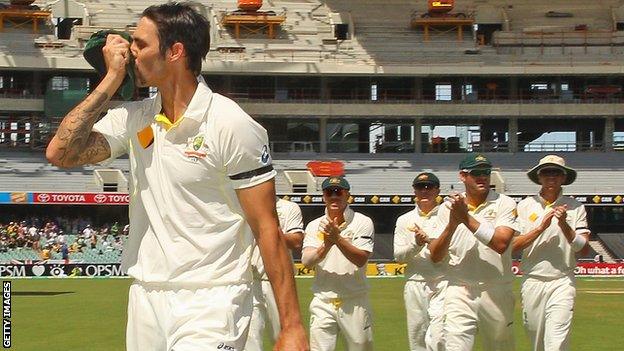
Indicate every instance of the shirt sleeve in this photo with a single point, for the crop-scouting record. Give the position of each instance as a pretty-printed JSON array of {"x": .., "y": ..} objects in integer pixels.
[
  {"x": 442, "y": 220},
  {"x": 364, "y": 238},
  {"x": 507, "y": 215},
  {"x": 404, "y": 241},
  {"x": 294, "y": 220},
  {"x": 580, "y": 225},
  {"x": 522, "y": 220},
  {"x": 312, "y": 236},
  {"x": 113, "y": 126},
  {"x": 244, "y": 149}
]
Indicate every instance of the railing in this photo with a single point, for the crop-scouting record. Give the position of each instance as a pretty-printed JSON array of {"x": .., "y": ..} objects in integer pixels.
[
  {"x": 395, "y": 96},
  {"x": 435, "y": 146},
  {"x": 562, "y": 38},
  {"x": 19, "y": 93},
  {"x": 362, "y": 95},
  {"x": 564, "y": 146},
  {"x": 26, "y": 132}
]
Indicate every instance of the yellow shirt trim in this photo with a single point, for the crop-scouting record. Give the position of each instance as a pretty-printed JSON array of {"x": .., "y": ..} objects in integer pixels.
[
  {"x": 474, "y": 209},
  {"x": 424, "y": 214},
  {"x": 166, "y": 122}
]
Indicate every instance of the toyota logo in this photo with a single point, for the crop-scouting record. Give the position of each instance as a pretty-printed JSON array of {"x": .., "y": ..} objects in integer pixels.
[
  {"x": 100, "y": 198},
  {"x": 43, "y": 197}
]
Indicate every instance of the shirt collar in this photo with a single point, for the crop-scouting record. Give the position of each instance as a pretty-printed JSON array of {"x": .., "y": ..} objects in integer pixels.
[
  {"x": 491, "y": 197},
  {"x": 195, "y": 110},
  {"x": 547, "y": 204},
  {"x": 433, "y": 212}
]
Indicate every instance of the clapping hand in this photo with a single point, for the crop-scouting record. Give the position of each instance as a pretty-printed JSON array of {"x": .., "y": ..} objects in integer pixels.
[
  {"x": 547, "y": 220},
  {"x": 560, "y": 212},
  {"x": 421, "y": 237},
  {"x": 331, "y": 229},
  {"x": 459, "y": 209}
]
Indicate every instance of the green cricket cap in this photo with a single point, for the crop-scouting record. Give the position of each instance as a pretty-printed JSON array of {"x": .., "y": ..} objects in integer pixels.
[
  {"x": 336, "y": 182},
  {"x": 93, "y": 55},
  {"x": 426, "y": 178},
  {"x": 475, "y": 160}
]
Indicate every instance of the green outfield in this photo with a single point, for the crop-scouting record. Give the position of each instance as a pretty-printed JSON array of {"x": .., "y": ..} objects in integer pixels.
[{"x": 89, "y": 314}]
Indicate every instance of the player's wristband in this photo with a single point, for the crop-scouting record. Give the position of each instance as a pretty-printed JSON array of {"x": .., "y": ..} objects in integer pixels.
[
  {"x": 578, "y": 243},
  {"x": 485, "y": 233}
]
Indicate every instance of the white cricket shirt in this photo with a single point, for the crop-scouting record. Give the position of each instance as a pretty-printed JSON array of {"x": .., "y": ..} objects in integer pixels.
[
  {"x": 335, "y": 276},
  {"x": 290, "y": 221},
  {"x": 187, "y": 225},
  {"x": 418, "y": 258},
  {"x": 470, "y": 261},
  {"x": 550, "y": 256}
]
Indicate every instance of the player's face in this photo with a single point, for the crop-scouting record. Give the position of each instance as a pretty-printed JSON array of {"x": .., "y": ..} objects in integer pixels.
[
  {"x": 476, "y": 180},
  {"x": 426, "y": 193},
  {"x": 336, "y": 199},
  {"x": 149, "y": 64},
  {"x": 551, "y": 178}
]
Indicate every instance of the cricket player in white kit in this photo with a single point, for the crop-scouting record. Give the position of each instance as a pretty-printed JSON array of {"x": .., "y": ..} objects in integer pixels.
[
  {"x": 265, "y": 311},
  {"x": 202, "y": 182},
  {"x": 476, "y": 229},
  {"x": 426, "y": 284},
  {"x": 554, "y": 230},
  {"x": 338, "y": 245}
]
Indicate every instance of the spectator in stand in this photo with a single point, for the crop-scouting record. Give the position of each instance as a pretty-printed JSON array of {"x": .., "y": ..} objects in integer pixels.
[
  {"x": 65, "y": 252},
  {"x": 46, "y": 254},
  {"x": 93, "y": 241},
  {"x": 87, "y": 232},
  {"x": 61, "y": 238},
  {"x": 114, "y": 230},
  {"x": 75, "y": 247},
  {"x": 118, "y": 244},
  {"x": 3, "y": 246}
]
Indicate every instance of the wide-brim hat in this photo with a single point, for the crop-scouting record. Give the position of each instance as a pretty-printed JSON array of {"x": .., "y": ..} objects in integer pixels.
[{"x": 552, "y": 161}]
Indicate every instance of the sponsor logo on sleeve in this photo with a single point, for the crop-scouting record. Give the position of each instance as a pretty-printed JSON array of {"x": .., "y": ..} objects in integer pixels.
[{"x": 265, "y": 155}]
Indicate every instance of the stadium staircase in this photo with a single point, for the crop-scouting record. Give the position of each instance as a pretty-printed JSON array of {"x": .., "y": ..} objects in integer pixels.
[
  {"x": 614, "y": 243},
  {"x": 600, "y": 249}
]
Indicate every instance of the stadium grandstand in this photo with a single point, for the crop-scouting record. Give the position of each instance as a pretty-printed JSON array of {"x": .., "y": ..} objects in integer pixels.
[{"x": 375, "y": 90}]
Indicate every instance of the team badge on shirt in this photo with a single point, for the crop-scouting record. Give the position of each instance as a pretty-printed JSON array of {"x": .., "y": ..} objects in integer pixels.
[
  {"x": 490, "y": 214},
  {"x": 195, "y": 148}
]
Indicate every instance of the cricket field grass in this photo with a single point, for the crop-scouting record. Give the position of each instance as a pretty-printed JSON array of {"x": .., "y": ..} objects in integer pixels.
[{"x": 90, "y": 314}]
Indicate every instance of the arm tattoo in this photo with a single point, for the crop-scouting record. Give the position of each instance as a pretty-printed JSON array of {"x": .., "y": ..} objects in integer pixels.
[{"x": 78, "y": 145}]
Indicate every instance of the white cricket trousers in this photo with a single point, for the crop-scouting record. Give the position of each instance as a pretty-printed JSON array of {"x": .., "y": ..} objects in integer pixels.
[
  {"x": 487, "y": 309},
  {"x": 547, "y": 308},
  {"x": 163, "y": 317},
  {"x": 264, "y": 314},
  {"x": 350, "y": 316},
  {"x": 424, "y": 307}
]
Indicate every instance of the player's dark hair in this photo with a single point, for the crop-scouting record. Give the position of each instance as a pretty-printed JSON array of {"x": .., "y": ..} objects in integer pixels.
[{"x": 181, "y": 23}]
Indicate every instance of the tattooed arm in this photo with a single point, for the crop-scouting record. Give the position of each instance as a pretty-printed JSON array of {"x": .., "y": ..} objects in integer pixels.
[{"x": 75, "y": 143}]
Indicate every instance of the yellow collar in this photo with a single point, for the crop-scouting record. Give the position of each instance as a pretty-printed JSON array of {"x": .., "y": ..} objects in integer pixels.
[
  {"x": 491, "y": 196},
  {"x": 161, "y": 118},
  {"x": 426, "y": 214},
  {"x": 548, "y": 204}
]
